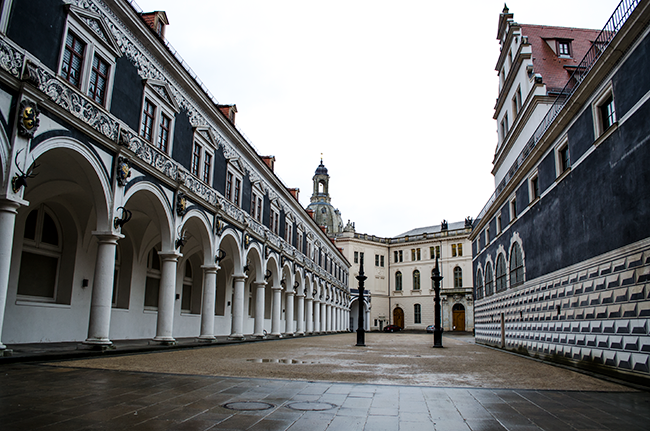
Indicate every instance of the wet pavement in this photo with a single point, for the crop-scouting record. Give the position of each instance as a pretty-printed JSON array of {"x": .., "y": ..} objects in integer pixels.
[{"x": 87, "y": 395}]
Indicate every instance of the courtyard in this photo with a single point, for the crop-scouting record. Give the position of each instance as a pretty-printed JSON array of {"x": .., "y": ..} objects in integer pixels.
[{"x": 396, "y": 382}]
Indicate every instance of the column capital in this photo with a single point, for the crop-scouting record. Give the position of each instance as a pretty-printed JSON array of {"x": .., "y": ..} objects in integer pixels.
[
  {"x": 172, "y": 255},
  {"x": 107, "y": 237},
  {"x": 276, "y": 287},
  {"x": 240, "y": 277},
  {"x": 11, "y": 203},
  {"x": 260, "y": 283},
  {"x": 210, "y": 268}
]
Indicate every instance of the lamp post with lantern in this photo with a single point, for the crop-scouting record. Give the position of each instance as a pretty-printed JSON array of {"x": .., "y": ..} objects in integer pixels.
[{"x": 437, "y": 330}]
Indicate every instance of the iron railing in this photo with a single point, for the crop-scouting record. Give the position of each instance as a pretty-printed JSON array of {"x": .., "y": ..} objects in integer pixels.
[{"x": 613, "y": 25}]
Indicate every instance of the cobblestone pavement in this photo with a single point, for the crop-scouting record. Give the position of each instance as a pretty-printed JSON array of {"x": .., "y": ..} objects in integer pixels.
[{"x": 171, "y": 392}]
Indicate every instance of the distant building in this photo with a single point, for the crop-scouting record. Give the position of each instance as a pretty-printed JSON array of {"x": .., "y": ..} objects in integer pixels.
[
  {"x": 561, "y": 250},
  {"x": 399, "y": 274},
  {"x": 325, "y": 214}
]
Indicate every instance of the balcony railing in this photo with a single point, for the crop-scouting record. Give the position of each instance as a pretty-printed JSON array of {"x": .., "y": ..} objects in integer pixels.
[{"x": 614, "y": 24}]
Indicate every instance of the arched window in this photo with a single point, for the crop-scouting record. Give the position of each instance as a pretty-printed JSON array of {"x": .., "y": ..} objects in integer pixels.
[
  {"x": 489, "y": 280},
  {"x": 458, "y": 277},
  {"x": 152, "y": 283},
  {"x": 398, "y": 280},
  {"x": 516, "y": 266},
  {"x": 416, "y": 280},
  {"x": 479, "y": 285},
  {"x": 42, "y": 247},
  {"x": 417, "y": 313},
  {"x": 501, "y": 273}
]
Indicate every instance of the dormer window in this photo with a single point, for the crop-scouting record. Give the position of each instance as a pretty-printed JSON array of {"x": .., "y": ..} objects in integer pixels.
[
  {"x": 157, "y": 21},
  {"x": 564, "y": 48}
]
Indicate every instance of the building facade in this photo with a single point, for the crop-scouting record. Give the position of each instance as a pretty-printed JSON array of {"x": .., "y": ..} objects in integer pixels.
[
  {"x": 131, "y": 205},
  {"x": 560, "y": 251},
  {"x": 399, "y": 271}
]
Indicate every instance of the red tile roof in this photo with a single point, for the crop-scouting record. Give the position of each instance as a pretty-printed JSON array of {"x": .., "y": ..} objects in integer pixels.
[{"x": 546, "y": 62}]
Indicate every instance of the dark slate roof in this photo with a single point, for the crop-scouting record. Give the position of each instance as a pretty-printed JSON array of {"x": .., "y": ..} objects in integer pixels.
[{"x": 432, "y": 229}]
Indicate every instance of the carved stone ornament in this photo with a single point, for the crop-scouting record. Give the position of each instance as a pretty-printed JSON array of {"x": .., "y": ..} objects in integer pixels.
[
  {"x": 123, "y": 171},
  {"x": 247, "y": 240},
  {"x": 181, "y": 204},
  {"x": 28, "y": 119},
  {"x": 220, "y": 226}
]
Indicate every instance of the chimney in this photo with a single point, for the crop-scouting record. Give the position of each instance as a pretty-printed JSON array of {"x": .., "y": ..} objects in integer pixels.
[
  {"x": 269, "y": 160},
  {"x": 294, "y": 192},
  {"x": 310, "y": 212},
  {"x": 157, "y": 20},
  {"x": 229, "y": 111},
  {"x": 324, "y": 229}
]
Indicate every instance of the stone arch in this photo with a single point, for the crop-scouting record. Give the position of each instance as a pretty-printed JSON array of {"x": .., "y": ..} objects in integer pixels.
[
  {"x": 59, "y": 157},
  {"x": 515, "y": 241},
  {"x": 196, "y": 225}
]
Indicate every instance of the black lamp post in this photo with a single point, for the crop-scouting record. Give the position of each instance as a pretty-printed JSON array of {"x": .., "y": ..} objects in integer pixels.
[
  {"x": 361, "y": 332},
  {"x": 437, "y": 330}
]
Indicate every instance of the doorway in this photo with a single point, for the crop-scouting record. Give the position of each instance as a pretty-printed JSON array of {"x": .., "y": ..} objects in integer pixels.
[
  {"x": 458, "y": 317},
  {"x": 398, "y": 317}
]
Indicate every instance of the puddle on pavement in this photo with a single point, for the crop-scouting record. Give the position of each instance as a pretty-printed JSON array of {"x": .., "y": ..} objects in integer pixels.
[{"x": 279, "y": 361}]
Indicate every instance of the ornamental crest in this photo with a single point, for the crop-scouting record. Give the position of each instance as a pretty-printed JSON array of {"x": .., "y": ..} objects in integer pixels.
[
  {"x": 123, "y": 171},
  {"x": 181, "y": 204},
  {"x": 28, "y": 119}
]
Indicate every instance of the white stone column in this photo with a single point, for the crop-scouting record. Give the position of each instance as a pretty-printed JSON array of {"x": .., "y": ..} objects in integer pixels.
[
  {"x": 238, "y": 307},
  {"x": 309, "y": 315},
  {"x": 300, "y": 312},
  {"x": 209, "y": 301},
  {"x": 166, "y": 297},
  {"x": 316, "y": 316},
  {"x": 8, "y": 211},
  {"x": 260, "y": 298},
  {"x": 276, "y": 310},
  {"x": 323, "y": 315},
  {"x": 288, "y": 316},
  {"x": 329, "y": 317},
  {"x": 102, "y": 295}
]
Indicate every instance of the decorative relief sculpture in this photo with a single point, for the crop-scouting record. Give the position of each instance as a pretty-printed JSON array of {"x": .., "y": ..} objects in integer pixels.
[
  {"x": 11, "y": 58},
  {"x": 123, "y": 171},
  {"x": 181, "y": 204},
  {"x": 28, "y": 118}
]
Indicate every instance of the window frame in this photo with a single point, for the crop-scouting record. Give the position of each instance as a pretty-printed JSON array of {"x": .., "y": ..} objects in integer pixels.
[
  {"x": 417, "y": 314},
  {"x": 516, "y": 268},
  {"x": 417, "y": 279},
  {"x": 274, "y": 219},
  {"x": 95, "y": 46},
  {"x": 559, "y": 43},
  {"x": 234, "y": 188},
  {"x": 257, "y": 205},
  {"x": 533, "y": 187},
  {"x": 562, "y": 162},
  {"x": 159, "y": 94},
  {"x": 398, "y": 281},
  {"x": 458, "y": 277},
  {"x": 600, "y": 128}
]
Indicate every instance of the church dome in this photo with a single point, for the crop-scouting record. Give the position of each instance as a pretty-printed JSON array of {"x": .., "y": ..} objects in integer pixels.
[{"x": 321, "y": 169}]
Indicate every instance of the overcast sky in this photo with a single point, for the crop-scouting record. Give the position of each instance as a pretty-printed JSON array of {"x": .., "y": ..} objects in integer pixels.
[{"x": 398, "y": 96}]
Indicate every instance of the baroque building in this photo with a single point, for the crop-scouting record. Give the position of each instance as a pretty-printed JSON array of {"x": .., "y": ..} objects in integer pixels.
[
  {"x": 399, "y": 270},
  {"x": 324, "y": 213},
  {"x": 561, "y": 251},
  {"x": 132, "y": 207}
]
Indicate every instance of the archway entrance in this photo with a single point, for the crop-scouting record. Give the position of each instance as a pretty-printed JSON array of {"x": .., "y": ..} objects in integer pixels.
[
  {"x": 458, "y": 317},
  {"x": 398, "y": 317}
]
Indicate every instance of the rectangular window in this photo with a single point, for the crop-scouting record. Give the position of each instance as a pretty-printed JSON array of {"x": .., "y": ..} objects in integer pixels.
[
  {"x": 565, "y": 162},
  {"x": 418, "y": 254},
  {"x": 504, "y": 126},
  {"x": 396, "y": 256},
  {"x": 237, "y": 191},
  {"x": 196, "y": 159},
  {"x": 207, "y": 167},
  {"x": 417, "y": 314},
  {"x": 163, "y": 133},
  {"x": 401, "y": 256},
  {"x": 607, "y": 113},
  {"x": 73, "y": 58},
  {"x": 498, "y": 224},
  {"x": 229, "y": 179},
  {"x": 148, "y": 114},
  {"x": 516, "y": 102},
  {"x": 376, "y": 260},
  {"x": 513, "y": 209},
  {"x": 460, "y": 249},
  {"x": 412, "y": 254},
  {"x": 361, "y": 256},
  {"x": 534, "y": 187},
  {"x": 564, "y": 48},
  {"x": 98, "y": 80},
  {"x": 453, "y": 250},
  {"x": 381, "y": 261},
  {"x": 356, "y": 257}
]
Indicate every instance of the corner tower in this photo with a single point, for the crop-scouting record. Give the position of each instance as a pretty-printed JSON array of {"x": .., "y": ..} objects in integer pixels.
[{"x": 324, "y": 213}]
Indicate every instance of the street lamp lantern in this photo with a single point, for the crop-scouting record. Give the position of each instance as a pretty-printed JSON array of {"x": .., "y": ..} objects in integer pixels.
[
  {"x": 361, "y": 332},
  {"x": 437, "y": 327}
]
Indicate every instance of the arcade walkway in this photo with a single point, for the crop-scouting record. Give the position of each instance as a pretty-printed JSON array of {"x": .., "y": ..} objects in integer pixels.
[{"x": 397, "y": 382}]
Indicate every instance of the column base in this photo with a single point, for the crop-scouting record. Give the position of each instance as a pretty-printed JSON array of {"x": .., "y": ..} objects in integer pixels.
[
  {"x": 208, "y": 339},
  {"x": 97, "y": 344},
  {"x": 236, "y": 337},
  {"x": 300, "y": 334},
  {"x": 165, "y": 341},
  {"x": 6, "y": 352}
]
